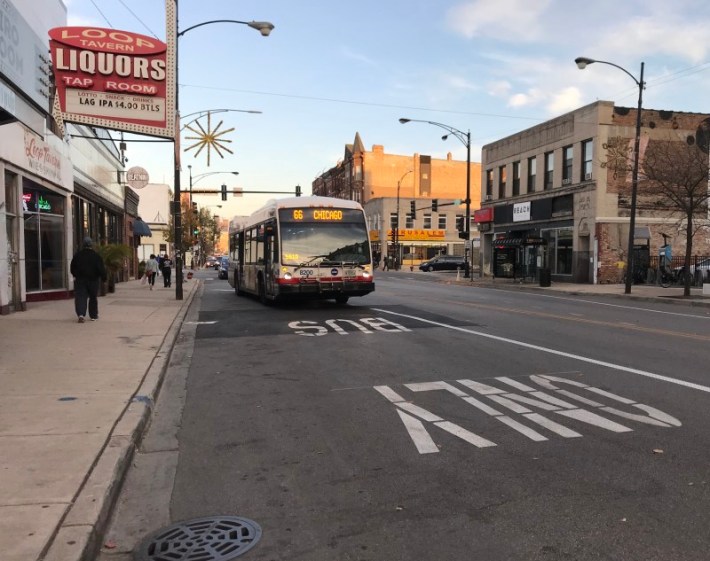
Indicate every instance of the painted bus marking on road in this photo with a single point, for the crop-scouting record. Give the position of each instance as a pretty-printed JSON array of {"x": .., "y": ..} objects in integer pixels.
[
  {"x": 363, "y": 325},
  {"x": 413, "y": 416}
]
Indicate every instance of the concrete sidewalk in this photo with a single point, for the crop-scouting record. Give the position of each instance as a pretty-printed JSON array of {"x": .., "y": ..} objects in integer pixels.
[{"x": 73, "y": 400}]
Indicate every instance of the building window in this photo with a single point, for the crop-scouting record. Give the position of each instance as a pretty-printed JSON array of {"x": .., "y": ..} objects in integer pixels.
[
  {"x": 442, "y": 222},
  {"x": 549, "y": 170},
  {"x": 587, "y": 154},
  {"x": 409, "y": 222},
  {"x": 516, "y": 179},
  {"x": 567, "y": 165},
  {"x": 427, "y": 222},
  {"x": 489, "y": 184},
  {"x": 502, "y": 177},
  {"x": 532, "y": 173}
]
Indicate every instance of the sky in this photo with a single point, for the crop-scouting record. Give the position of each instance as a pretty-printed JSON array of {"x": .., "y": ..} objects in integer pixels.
[{"x": 330, "y": 69}]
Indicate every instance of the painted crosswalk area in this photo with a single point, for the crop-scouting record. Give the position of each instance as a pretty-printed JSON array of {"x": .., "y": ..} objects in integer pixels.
[{"x": 536, "y": 408}]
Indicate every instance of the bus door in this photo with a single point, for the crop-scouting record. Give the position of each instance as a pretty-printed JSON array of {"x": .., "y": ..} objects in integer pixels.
[{"x": 270, "y": 251}]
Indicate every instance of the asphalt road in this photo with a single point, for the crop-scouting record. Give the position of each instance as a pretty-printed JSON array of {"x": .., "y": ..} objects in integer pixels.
[{"x": 433, "y": 421}]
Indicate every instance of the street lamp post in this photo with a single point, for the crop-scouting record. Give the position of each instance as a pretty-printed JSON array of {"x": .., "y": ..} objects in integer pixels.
[
  {"x": 582, "y": 63},
  {"x": 465, "y": 139},
  {"x": 203, "y": 175},
  {"x": 264, "y": 27},
  {"x": 396, "y": 230}
]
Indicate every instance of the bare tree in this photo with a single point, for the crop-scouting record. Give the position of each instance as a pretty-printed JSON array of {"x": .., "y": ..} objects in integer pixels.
[{"x": 676, "y": 180}]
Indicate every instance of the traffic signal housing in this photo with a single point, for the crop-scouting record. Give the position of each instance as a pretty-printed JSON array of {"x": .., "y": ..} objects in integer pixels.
[
  {"x": 460, "y": 227},
  {"x": 434, "y": 205},
  {"x": 224, "y": 192},
  {"x": 413, "y": 209},
  {"x": 298, "y": 190}
]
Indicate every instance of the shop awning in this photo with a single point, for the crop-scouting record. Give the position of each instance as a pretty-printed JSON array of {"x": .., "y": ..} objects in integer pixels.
[
  {"x": 140, "y": 228},
  {"x": 518, "y": 241}
]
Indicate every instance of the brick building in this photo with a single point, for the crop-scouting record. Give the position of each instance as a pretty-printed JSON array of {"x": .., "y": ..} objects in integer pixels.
[
  {"x": 386, "y": 184},
  {"x": 557, "y": 196}
]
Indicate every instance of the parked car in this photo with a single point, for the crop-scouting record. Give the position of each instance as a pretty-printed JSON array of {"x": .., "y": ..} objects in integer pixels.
[
  {"x": 211, "y": 262},
  {"x": 223, "y": 268},
  {"x": 443, "y": 263},
  {"x": 703, "y": 266}
]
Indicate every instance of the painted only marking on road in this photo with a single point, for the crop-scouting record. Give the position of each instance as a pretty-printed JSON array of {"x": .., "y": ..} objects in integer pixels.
[
  {"x": 314, "y": 329},
  {"x": 414, "y": 416},
  {"x": 549, "y": 350}
]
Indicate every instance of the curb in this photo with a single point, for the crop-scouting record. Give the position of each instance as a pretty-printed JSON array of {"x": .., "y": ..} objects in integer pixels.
[
  {"x": 672, "y": 300},
  {"x": 84, "y": 524}
]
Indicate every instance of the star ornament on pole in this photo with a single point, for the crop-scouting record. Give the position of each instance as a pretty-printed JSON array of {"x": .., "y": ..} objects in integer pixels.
[{"x": 210, "y": 138}]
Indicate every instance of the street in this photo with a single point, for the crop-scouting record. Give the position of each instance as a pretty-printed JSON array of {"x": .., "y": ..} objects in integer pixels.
[{"x": 433, "y": 420}]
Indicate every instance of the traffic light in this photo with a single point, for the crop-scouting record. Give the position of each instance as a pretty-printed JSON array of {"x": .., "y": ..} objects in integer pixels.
[
  {"x": 195, "y": 231},
  {"x": 298, "y": 190},
  {"x": 413, "y": 209},
  {"x": 460, "y": 227},
  {"x": 224, "y": 192},
  {"x": 434, "y": 205}
]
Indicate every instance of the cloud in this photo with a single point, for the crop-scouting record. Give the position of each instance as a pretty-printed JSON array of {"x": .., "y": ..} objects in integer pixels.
[
  {"x": 511, "y": 20},
  {"x": 672, "y": 36},
  {"x": 533, "y": 96},
  {"x": 358, "y": 57},
  {"x": 498, "y": 88},
  {"x": 566, "y": 100}
]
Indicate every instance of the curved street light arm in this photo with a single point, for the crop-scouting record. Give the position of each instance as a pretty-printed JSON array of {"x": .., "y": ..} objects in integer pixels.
[
  {"x": 462, "y": 136},
  {"x": 263, "y": 27},
  {"x": 582, "y": 62},
  {"x": 204, "y": 112}
]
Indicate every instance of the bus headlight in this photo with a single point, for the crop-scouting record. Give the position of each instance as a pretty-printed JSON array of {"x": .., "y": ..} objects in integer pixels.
[
  {"x": 366, "y": 274},
  {"x": 287, "y": 276}
]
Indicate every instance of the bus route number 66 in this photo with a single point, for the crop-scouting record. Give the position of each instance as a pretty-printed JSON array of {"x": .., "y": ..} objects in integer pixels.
[{"x": 298, "y": 214}]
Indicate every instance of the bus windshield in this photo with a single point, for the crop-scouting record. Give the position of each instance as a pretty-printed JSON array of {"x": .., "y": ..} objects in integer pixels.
[{"x": 327, "y": 243}]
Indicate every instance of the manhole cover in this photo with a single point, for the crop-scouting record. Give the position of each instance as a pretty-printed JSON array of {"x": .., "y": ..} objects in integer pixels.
[{"x": 213, "y": 538}]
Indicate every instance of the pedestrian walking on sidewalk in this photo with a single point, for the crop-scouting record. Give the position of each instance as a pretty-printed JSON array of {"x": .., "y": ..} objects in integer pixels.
[
  {"x": 151, "y": 270},
  {"x": 88, "y": 270},
  {"x": 167, "y": 263}
]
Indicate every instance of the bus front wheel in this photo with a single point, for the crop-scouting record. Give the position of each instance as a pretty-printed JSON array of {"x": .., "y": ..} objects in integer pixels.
[{"x": 342, "y": 299}]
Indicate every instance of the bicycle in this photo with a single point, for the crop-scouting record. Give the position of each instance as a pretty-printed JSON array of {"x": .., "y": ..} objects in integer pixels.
[{"x": 665, "y": 276}]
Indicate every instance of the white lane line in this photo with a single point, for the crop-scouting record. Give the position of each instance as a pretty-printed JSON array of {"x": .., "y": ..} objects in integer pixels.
[
  {"x": 555, "y": 352},
  {"x": 418, "y": 434}
]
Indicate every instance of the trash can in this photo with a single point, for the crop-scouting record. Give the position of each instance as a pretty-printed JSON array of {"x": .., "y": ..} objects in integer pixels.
[{"x": 545, "y": 277}]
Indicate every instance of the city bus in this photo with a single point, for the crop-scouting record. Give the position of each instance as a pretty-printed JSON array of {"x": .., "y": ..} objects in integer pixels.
[{"x": 301, "y": 248}]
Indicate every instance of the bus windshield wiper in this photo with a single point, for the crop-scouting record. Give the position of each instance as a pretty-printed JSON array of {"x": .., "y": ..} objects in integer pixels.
[{"x": 310, "y": 261}]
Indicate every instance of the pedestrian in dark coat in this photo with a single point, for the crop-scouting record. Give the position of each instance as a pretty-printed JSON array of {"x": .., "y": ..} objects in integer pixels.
[
  {"x": 165, "y": 268},
  {"x": 88, "y": 270}
]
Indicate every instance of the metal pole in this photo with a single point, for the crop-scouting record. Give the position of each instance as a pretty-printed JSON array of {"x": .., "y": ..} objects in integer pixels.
[
  {"x": 177, "y": 217},
  {"x": 396, "y": 232},
  {"x": 634, "y": 189},
  {"x": 467, "y": 251}
]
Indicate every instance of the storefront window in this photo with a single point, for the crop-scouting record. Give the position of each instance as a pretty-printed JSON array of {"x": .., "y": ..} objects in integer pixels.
[
  {"x": 44, "y": 238},
  {"x": 559, "y": 250}
]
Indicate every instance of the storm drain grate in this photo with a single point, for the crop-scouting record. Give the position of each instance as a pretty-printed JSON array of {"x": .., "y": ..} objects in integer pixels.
[{"x": 213, "y": 538}]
